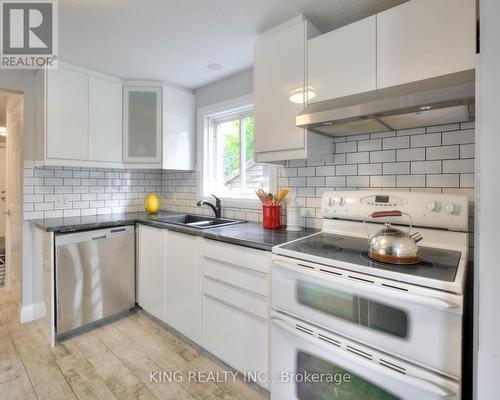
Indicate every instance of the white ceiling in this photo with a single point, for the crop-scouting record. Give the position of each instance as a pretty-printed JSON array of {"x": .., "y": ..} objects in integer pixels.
[{"x": 174, "y": 40}]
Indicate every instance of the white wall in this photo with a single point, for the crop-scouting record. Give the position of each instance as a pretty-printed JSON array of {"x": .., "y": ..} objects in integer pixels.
[
  {"x": 229, "y": 88},
  {"x": 23, "y": 82},
  {"x": 487, "y": 279}
]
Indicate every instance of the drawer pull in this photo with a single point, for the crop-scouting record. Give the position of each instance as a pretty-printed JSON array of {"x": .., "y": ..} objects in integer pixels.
[
  {"x": 237, "y": 266},
  {"x": 237, "y": 308},
  {"x": 226, "y": 283}
]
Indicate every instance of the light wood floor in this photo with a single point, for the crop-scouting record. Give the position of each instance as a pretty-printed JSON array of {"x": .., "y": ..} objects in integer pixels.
[{"x": 111, "y": 362}]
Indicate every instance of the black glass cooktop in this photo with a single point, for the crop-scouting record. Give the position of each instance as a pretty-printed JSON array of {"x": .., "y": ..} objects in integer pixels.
[{"x": 439, "y": 264}]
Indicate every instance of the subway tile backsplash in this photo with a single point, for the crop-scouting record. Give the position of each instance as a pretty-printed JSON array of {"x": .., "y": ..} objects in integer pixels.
[
  {"x": 437, "y": 158},
  {"x": 406, "y": 160},
  {"x": 51, "y": 192}
]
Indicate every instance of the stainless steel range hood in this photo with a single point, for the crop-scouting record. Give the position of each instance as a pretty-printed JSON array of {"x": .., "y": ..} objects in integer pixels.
[{"x": 441, "y": 100}]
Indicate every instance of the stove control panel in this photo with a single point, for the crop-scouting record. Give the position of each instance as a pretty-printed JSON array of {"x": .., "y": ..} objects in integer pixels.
[{"x": 435, "y": 210}]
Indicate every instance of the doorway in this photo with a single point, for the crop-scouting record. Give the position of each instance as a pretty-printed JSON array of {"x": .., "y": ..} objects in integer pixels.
[{"x": 11, "y": 129}]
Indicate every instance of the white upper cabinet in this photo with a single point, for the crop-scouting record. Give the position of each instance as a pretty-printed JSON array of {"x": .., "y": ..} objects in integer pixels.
[
  {"x": 280, "y": 73},
  {"x": 105, "y": 134},
  {"x": 85, "y": 118},
  {"x": 142, "y": 124},
  {"x": 67, "y": 114},
  {"x": 343, "y": 62},
  {"x": 422, "y": 39},
  {"x": 78, "y": 117},
  {"x": 179, "y": 132}
]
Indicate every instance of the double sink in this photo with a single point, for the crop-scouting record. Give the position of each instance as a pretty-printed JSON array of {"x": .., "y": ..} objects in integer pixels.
[{"x": 198, "y": 221}]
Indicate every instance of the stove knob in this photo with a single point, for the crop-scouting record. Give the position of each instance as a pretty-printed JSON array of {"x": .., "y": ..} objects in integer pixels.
[
  {"x": 450, "y": 208},
  {"x": 432, "y": 205},
  {"x": 330, "y": 202}
]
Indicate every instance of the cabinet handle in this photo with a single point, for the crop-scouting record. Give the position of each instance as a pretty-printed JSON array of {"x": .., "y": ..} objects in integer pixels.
[
  {"x": 237, "y": 308},
  {"x": 225, "y": 283}
]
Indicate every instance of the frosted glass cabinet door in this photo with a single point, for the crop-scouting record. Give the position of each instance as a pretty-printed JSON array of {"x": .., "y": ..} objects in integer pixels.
[{"x": 142, "y": 124}]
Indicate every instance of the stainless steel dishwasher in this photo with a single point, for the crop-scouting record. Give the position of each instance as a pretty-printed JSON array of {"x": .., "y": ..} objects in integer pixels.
[{"x": 95, "y": 276}]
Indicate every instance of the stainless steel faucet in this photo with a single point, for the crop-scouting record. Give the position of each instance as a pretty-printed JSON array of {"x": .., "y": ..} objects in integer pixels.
[{"x": 217, "y": 208}]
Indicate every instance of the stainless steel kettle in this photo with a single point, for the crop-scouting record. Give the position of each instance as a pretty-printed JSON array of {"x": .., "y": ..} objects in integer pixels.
[{"x": 391, "y": 245}]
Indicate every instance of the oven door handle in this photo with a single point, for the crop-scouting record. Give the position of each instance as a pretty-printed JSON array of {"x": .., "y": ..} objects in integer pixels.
[
  {"x": 423, "y": 300},
  {"x": 424, "y": 384}
]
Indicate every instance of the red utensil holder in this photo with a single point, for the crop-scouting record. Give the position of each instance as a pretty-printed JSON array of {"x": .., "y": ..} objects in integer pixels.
[{"x": 271, "y": 216}]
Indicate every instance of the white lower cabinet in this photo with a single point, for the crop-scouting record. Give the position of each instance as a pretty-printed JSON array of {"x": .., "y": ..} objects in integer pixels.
[
  {"x": 235, "y": 307},
  {"x": 168, "y": 279},
  {"x": 151, "y": 270},
  {"x": 216, "y": 294},
  {"x": 236, "y": 337},
  {"x": 183, "y": 287}
]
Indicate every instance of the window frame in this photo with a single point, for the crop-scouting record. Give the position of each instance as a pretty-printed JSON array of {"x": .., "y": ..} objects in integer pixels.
[{"x": 215, "y": 114}]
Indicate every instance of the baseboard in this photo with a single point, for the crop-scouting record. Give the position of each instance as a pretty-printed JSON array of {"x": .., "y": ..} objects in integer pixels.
[{"x": 32, "y": 312}]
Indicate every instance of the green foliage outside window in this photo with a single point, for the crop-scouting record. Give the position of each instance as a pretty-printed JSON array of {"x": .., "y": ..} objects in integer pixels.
[{"x": 231, "y": 141}]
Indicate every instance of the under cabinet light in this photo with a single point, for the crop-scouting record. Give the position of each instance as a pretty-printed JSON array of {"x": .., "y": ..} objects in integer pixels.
[{"x": 297, "y": 96}]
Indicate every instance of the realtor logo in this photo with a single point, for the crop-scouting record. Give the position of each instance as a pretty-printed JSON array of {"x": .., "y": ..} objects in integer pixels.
[{"x": 29, "y": 34}]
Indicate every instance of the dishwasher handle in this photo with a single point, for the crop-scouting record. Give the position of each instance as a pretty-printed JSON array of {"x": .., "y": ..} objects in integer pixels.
[
  {"x": 99, "y": 237},
  {"x": 96, "y": 234}
]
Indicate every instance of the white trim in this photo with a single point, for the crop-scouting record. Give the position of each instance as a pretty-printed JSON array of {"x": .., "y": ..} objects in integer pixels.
[
  {"x": 32, "y": 312},
  {"x": 138, "y": 84},
  {"x": 180, "y": 88},
  {"x": 212, "y": 111},
  {"x": 56, "y": 162},
  {"x": 89, "y": 72},
  {"x": 224, "y": 105},
  {"x": 233, "y": 202},
  {"x": 285, "y": 25}
]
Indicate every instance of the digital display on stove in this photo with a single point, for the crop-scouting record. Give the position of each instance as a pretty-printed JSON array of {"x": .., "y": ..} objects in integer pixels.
[{"x": 381, "y": 199}]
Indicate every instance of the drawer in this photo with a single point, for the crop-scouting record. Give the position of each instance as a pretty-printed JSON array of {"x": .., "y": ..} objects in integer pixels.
[
  {"x": 257, "y": 260},
  {"x": 244, "y": 300},
  {"x": 236, "y": 275},
  {"x": 239, "y": 339}
]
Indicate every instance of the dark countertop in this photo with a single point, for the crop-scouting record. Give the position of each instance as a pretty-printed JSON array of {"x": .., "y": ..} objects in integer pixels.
[{"x": 249, "y": 234}]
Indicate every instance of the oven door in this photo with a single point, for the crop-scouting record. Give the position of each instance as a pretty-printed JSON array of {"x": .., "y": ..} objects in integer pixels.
[
  {"x": 312, "y": 364},
  {"x": 421, "y": 325}
]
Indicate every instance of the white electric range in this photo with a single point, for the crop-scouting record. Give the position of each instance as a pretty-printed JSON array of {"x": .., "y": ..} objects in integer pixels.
[{"x": 395, "y": 330}]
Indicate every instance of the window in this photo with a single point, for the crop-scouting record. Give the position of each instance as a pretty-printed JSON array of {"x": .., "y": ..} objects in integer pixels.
[{"x": 230, "y": 169}]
